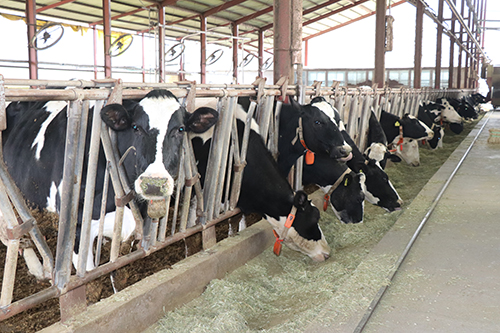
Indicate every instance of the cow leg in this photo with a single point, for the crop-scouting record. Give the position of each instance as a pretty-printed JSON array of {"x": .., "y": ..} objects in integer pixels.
[
  {"x": 243, "y": 223},
  {"x": 34, "y": 265}
]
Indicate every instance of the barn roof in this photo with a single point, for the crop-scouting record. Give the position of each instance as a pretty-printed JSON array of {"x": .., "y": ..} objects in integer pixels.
[{"x": 182, "y": 17}]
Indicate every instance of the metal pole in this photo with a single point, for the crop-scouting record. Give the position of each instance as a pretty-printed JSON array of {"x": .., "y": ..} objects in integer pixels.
[
  {"x": 439, "y": 38},
  {"x": 31, "y": 23},
  {"x": 106, "y": 14},
  {"x": 161, "y": 42},
  {"x": 417, "y": 80},
  {"x": 203, "y": 49},
  {"x": 379, "y": 73},
  {"x": 451, "y": 69},
  {"x": 234, "y": 28},
  {"x": 282, "y": 39}
]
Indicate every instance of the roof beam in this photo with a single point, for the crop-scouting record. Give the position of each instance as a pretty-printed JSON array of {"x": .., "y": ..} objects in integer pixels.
[
  {"x": 210, "y": 12},
  {"x": 333, "y": 12},
  {"x": 254, "y": 15},
  {"x": 122, "y": 15},
  {"x": 57, "y": 4}
]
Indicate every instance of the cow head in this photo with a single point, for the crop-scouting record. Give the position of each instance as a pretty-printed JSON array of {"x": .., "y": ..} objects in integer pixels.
[
  {"x": 321, "y": 131},
  {"x": 380, "y": 153},
  {"x": 414, "y": 128},
  {"x": 378, "y": 188},
  {"x": 347, "y": 200},
  {"x": 154, "y": 126},
  {"x": 408, "y": 151},
  {"x": 305, "y": 235}
]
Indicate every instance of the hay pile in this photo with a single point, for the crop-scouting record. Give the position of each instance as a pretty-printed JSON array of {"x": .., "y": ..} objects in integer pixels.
[{"x": 283, "y": 294}]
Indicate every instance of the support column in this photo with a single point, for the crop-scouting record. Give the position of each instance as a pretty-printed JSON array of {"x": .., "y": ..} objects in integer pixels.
[
  {"x": 282, "y": 27},
  {"x": 451, "y": 69},
  {"x": 106, "y": 14},
  {"x": 468, "y": 58},
  {"x": 235, "y": 52},
  {"x": 203, "y": 50},
  {"x": 261, "y": 52},
  {"x": 161, "y": 43},
  {"x": 32, "y": 53},
  {"x": 439, "y": 42},
  {"x": 296, "y": 42},
  {"x": 379, "y": 73},
  {"x": 460, "y": 51},
  {"x": 417, "y": 68}
]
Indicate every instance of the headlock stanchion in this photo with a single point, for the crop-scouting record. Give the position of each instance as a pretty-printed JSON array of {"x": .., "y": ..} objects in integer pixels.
[{"x": 169, "y": 218}]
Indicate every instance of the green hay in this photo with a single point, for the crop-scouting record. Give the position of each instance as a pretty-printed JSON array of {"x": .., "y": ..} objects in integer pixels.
[{"x": 284, "y": 294}]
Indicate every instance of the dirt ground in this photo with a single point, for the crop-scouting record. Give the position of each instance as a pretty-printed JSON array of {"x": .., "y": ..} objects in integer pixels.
[{"x": 47, "y": 313}]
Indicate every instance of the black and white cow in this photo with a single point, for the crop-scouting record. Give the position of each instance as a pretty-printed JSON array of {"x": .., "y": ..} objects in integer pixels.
[
  {"x": 428, "y": 117},
  {"x": 264, "y": 190},
  {"x": 377, "y": 187},
  {"x": 347, "y": 196},
  {"x": 463, "y": 107},
  {"x": 154, "y": 126},
  {"x": 377, "y": 143},
  {"x": 407, "y": 126},
  {"x": 321, "y": 135}
]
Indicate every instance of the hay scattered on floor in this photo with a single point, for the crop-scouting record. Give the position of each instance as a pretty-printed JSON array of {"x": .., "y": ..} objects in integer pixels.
[{"x": 283, "y": 294}]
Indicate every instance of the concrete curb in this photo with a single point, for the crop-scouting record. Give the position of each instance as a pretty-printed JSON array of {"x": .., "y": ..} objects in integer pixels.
[{"x": 141, "y": 305}]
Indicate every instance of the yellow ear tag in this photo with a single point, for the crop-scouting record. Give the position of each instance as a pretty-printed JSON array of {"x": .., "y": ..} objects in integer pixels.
[
  {"x": 397, "y": 124},
  {"x": 346, "y": 182}
]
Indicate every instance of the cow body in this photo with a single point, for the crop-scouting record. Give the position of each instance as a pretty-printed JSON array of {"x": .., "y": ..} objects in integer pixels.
[{"x": 154, "y": 126}]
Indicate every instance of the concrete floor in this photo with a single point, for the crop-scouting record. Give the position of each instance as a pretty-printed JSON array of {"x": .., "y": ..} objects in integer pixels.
[{"x": 450, "y": 281}]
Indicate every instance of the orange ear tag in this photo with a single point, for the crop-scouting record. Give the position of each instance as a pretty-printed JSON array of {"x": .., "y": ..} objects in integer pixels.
[
  {"x": 277, "y": 244},
  {"x": 289, "y": 220},
  {"x": 309, "y": 157},
  {"x": 325, "y": 202}
]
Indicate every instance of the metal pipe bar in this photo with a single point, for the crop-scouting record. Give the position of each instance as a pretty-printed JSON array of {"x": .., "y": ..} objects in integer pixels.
[
  {"x": 88, "y": 204},
  {"x": 67, "y": 226}
]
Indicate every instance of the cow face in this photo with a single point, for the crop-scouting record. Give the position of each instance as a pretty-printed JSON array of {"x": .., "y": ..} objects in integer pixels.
[
  {"x": 379, "y": 152},
  {"x": 305, "y": 235},
  {"x": 154, "y": 126},
  {"x": 378, "y": 188},
  {"x": 321, "y": 132},
  {"x": 408, "y": 151},
  {"x": 347, "y": 200}
]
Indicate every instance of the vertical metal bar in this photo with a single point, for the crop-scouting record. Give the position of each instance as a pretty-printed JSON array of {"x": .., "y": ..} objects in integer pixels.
[
  {"x": 9, "y": 274},
  {"x": 439, "y": 43},
  {"x": 95, "y": 51},
  {"x": 379, "y": 73},
  {"x": 265, "y": 115},
  {"x": 162, "y": 232},
  {"x": 88, "y": 205},
  {"x": 32, "y": 53},
  {"x": 105, "y": 189},
  {"x": 67, "y": 226},
  {"x": 115, "y": 180},
  {"x": 227, "y": 125},
  {"x": 417, "y": 80},
  {"x": 460, "y": 51},
  {"x": 161, "y": 42},
  {"x": 187, "y": 188},
  {"x": 235, "y": 191},
  {"x": 234, "y": 28},
  {"x": 203, "y": 49},
  {"x": 106, "y": 14},
  {"x": 451, "y": 69},
  {"x": 261, "y": 52}
]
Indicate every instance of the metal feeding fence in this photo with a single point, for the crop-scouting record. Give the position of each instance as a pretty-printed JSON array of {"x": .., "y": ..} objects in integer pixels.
[{"x": 170, "y": 223}]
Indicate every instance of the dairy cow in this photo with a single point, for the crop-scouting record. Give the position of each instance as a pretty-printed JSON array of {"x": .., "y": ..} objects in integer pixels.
[
  {"x": 429, "y": 118},
  {"x": 377, "y": 187},
  {"x": 264, "y": 190},
  {"x": 153, "y": 125},
  {"x": 377, "y": 143}
]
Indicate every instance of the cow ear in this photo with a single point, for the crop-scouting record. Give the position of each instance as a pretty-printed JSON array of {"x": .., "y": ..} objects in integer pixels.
[
  {"x": 294, "y": 103},
  {"x": 202, "y": 119},
  {"x": 394, "y": 158},
  {"x": 300, "y": 200},
  {"x": 116, "y": 117}
]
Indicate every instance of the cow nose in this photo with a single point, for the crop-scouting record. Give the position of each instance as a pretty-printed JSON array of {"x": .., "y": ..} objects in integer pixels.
[
  {"x": 346, "y": 150},
  {"x": 155, "y": 187}
]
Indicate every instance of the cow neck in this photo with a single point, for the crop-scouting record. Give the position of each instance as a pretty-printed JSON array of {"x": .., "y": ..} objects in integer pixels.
[
  {"x": 333, "y": 188},
  {"x": 299, "y": 134},
  {"x": 288, "y": 224},
  {"x": 400, "y": 141}
]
